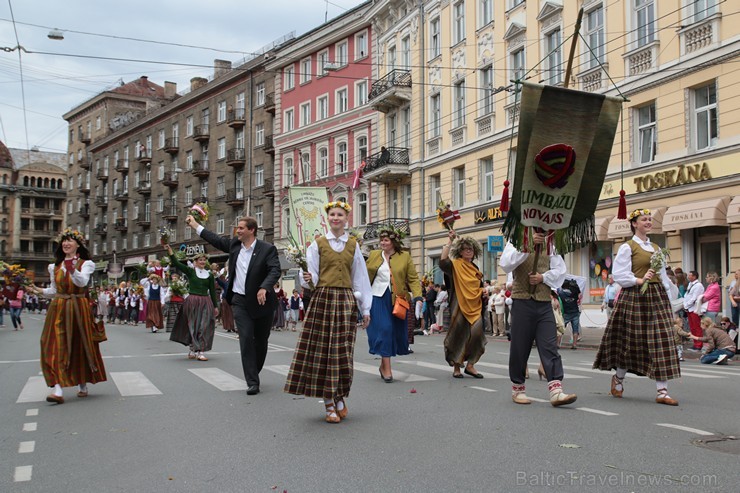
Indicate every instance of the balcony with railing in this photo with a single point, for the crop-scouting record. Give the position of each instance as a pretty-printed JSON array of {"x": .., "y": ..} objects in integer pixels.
[
  {"x": 170, "y": 212},
  {"x": 122, "y": 166},
  {"x": 269, "y": 146},
  {"x": 201, "y": 169},
  {"x": 144, "y": 187},
  {"x": 41, "y": 254},
  {"x": 236, "y": 157},
  {"x": 145, "y": 220},
  {"x": 372, "y": 229},
  {"x": 85, "y": 187},
  {"x": 269, "y": 187},
  {"x": 121, "y": 224},
  {"x": 170, "y": 179},
  {"x": 201, "y": 133},
  {"x": 145, "y": 156},
  {"x": 121, "y": 195},
  {"x": 270, "y": 103},
  {"x": 102, "y": 174},
  {"x": 235, "y": 197},
  {"x": 171, "y": 145},
  {"x": 391, "y": 91},
  {"x": 387, "y": 166},
  {"x": 101, "y": 229},
  {"x": 85, "y": 211},
  {"x": 101, "y": 201},
  {"x": 236, "y": 117},
  {"x": 84, "y": 162},
  {"x": 84, "y": 137}
]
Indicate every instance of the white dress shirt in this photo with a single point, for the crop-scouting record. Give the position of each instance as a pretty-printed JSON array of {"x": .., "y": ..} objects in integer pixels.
[
  {"x": 360, "y": 278},
  {"x": 694, "y": 291},
  {"x": 511, "y": 259},
  {"x": 242, "y": 265},
  {"x": 622, "y": 268},
  {"x": 80, "y": 278}
]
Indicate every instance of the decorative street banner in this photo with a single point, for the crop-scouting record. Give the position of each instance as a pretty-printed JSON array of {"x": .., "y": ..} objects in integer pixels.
[
  {"x": 309, "y": 218},
  {"x": 564, "y": 143}
]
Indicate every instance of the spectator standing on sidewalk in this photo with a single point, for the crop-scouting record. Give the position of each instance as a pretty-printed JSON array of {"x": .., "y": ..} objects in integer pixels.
[
  {"x": 570, "y": 295},
  {"x": 712, "y": 296},
  {"x": 610, "y": 296},
  {"x": 733, "y": 291},
  {"x": 694, "y": 291}
]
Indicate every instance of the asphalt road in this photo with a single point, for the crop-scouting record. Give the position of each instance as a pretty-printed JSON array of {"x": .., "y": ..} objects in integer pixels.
[{"x": 165, "y": 423}]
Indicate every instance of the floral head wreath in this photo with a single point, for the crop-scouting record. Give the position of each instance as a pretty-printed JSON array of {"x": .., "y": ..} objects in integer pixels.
[
  {"x": 637, "y": 213},
  {"x": 70, "y": 233},
  {"x": 457, "y": 246},
  {"x": 338, "y": 203},
  {"x": 392, "y": 233}
]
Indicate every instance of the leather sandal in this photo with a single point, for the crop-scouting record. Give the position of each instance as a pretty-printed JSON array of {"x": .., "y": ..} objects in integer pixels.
[
  {"x": 664, "y": 398},
  {"x": 342, "y": 413},
  {"x": 82, "y": 393},
  {"x": 331, "y": 413},
  {"x": 53, "y": 398},
  {"x": 616, "y": 381}
]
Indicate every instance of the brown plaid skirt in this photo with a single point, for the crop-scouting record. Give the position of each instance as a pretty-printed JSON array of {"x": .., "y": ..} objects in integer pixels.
[
  {"x": 323, "y": 360},
  {"x": 639, "y": 335}
]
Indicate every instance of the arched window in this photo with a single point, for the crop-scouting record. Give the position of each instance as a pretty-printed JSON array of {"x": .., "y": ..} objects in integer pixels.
[
  {"x": 25, "y": 181},
  {"x": 60, "y": 184},
  {"x": 46, "y": 183}
]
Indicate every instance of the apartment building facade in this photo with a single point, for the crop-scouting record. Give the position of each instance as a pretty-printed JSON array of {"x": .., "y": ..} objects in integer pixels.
[{"x": 673, "y": 61}]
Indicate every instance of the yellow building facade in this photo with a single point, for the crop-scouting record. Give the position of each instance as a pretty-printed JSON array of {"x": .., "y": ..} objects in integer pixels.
[{"x": 447, "y": 97}]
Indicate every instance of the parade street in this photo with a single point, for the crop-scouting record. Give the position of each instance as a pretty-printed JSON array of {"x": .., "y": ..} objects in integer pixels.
[{"x": 165, "y": 423}]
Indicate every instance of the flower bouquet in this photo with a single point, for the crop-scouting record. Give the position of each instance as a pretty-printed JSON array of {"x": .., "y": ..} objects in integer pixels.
[
  {"x": 658, "y": 260},
  {"x": 165, "y": 234},
  {"x": 178, "y": 287},
  {"x": 199, "y": 212},
  {"x": 295, "y": 254},
  {"x": 446, "y": 216},
  {"x": 15, "y": 274},
  {"x": 179, "y": 255}
]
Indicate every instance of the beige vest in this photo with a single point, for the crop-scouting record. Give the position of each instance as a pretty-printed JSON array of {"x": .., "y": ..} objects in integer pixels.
[
  {"x": 520, "y": 289},
  {"x": 641, "y": 260},
  {"x": 335, "y": 268}
]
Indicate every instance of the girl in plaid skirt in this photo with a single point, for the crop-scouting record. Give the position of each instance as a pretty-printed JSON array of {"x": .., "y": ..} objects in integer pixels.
[
  {"x": 323, "y": 359},
  {"x": 639, "y": 335}
]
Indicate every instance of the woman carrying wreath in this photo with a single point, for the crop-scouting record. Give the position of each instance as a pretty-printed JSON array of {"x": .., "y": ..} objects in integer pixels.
[
  {"x": 69, "y": 356},
  {"x": 639, "y": 335},
  {"x": 392, "y": 274},
  {"x": 465, "y": 339},
  {"x": 195, "y": 324}
]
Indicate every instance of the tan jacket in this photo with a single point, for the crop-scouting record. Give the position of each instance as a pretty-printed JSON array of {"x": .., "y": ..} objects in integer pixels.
[{"x": 405, "y": 277}]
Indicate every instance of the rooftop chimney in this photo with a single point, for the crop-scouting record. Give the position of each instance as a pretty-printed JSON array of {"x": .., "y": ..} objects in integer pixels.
[
  {"x": 220, "y": 67},
  {"x": 170, "y": 89},
  {"x": 197, "y": 83}
]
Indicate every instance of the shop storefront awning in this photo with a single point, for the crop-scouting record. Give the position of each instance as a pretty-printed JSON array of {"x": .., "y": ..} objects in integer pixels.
[
  {"x": 710, "y": 212},
  {"x": 620, "y": 228},
  {"x": 733, "y": 211},
  {"x": 601, "y": 225}
]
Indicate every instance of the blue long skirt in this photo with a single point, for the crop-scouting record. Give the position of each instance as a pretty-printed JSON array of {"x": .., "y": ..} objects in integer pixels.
[{"x": 386, "y": 335}]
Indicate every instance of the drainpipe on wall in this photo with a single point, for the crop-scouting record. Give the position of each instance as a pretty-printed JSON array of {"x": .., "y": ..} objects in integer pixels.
[
  {"x": 422, "y": 148},
  {"x": 251, "y": 122}
]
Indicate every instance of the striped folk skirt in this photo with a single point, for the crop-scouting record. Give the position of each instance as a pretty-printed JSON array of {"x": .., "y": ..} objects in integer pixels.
[
  {"x": 154, "y": 314},
  {"x": 227, "y": 316},
  {"x": 639, "y": 335},
  {"x": 195, "y": 324},
  {"x": 172, "y": 308},
  {"x": 323, "y": 360}
]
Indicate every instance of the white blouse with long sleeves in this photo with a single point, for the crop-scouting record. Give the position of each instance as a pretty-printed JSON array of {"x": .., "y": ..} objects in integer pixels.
[
  {"x": 360, "y": 278},
  {"x": 622, "y": 268},
  {"x": 511, "y": 258},
  {"x": 80, "y": 277},
  {"x": 382, "y": 278}
]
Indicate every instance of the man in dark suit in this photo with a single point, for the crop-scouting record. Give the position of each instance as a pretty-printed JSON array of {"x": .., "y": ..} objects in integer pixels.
[{"x": 254, "y": 268}]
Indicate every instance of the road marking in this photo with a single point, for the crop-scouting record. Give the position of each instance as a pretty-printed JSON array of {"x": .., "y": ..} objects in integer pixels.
[
  {"x": 220, "y": 379},
  {"x": 279, "y": 369},
  {"x": 397, "y": 374},
  {"x": 535, "y": 399},
  {"x": 686, "y": 428},
  {"x": 32, "y": 412},
  {"x": 596, "y": 411},
  {"x": 35, "y": 390},
  {"x": 446, "y": 368},
  {"x": 30, "y": 426},
  {"x": 22, "y": 473},
  {"x": 26, "y": 447},
  {"x": 506, "y": 367},
  {"x": 714, "y": 370},
  {"x": 482, "y": 388},
  {"x": 132, "y": 383}
]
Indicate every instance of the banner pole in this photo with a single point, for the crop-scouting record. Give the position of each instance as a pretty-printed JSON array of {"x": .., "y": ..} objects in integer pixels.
[{"x": 573, "y": 44}]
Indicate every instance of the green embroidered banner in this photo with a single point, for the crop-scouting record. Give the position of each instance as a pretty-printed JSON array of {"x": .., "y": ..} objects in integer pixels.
[{"x": 564, "y": 143}]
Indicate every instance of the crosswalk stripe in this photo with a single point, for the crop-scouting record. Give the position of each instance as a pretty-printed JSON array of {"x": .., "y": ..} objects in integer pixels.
[
  {"x": 446, "y": 368},
  {"x": 279, "y": 369},
  {"x": 484, "y": 389},
  {"x": 685, "y": 428},
  {"x": 22, "y": 473},
  {"x": 35, "y": 390},
  {"x": 133, "y": 383},
  {"x": 597, "y": 411},
  {"x": 220, "y": 379},
  {"x": 397, "y": 374},
  {"x": 506, "y": 367}
]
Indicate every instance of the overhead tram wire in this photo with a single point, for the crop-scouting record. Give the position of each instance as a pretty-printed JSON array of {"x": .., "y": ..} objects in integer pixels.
[{"x": 23, "y": 90}]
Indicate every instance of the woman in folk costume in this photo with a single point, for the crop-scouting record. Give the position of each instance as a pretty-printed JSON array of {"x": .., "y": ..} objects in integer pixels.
[
  {"x": 392, "y": 274},
  {"x": 323, "y": 359},
  {"x": 226, "y": 312},
  {"x": 174, "y": 298},
  {"x": 196, "y": 322},
  {"x": 465, "y": 340},
  {"x": 69, "y": 356},
  {"x": 153, "y": 288},
  {"x": 639, "y": 334}
]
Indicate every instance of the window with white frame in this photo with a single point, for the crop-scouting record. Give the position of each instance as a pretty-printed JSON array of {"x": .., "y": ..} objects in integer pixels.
[
  {"x": 175, "y": 131},
  {"x": 486, "y": 171},
  {"x": 259, "y": 215},
  {"x": 95, "y": 248},
  {"x": 204, "y": 189},
  {"x": 221, "y": 148},
  {"x": 459, "y": 104},
  {"x": 189, "y": 126},
  {"x": 342, "y": 103},
  {"x": 361, "y": 45},
  {"x": 288, "y": 78},
  {"x": 148, "y": 240},
  {"x": 322, "y": 108},
  {"x": 135, "y": 242},
  {"x": 286, "y": 221},
  {"x": 554, "y": 56},
  {"x": 406, "y": 126},
  {"x": 259, "y": 134},
  {"x": 239, "y": 101},
  {"x": 289, "y": 120},
  {"x": 514, "y": 3},
  {"x": 486, "y": 90},
  {"x": 161, "y": 138},
  {"x": 323, "y": 165},
  {"x": 220, "y": 224},
  {"x": 322, "y": 59},
  {"x": 705, "y": 116},
  {"x": 646, "y": 132},
  {"x": 391, "y": 62},
  {"x": 220, "y": 186},
  {"x": 69, "y": 207},
  {"x": 114, "y": 244},
  {"x": 289, "y": 171},
  {"x": 393, "y": 204},
  {"x": 189, "y": 160},
  {"x": 485, "y": 12},
  {"x": 342, "y": 157},
  {"x": 239, "y": 183},
  {"x": 406, "y": 53},
  {"x": 98, "y": 123},
  {"x": 341, "y": 54},
  {"x": 136, "y": 210},
  {"x": 187, "y": 233},
  {"x": 189, "y": 195},
  {"x": 221, "y": 112},
  {"x": 391, "y": 126},
  {"x": 361, "y": 148},
  {"x": 517, "y": 64},
  {"x": 260, "y": 94},
  {"x": 305, "y": 70},
  {"x": 595, "y": 36},
  {"x": 435, "y": 115},
  {"x": 360, "y": 92},
  {"x": 160, "y": 203},
  {"x": 361, "y": 208},
  {"x": 435, "y": 190},
  {"x": 436, "y": 37},
  {"x": 305, "y": 166},
  {"x": 305, "y": 118},
  {"x": 645, "y": 21},
  {"x": 259, "y": 175},
  {"x": 406, "y": 200},
  {"x": 458, "y": 22},
  {"x": 701, "y": 9},
  {"x": 458, "y": 186}
]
